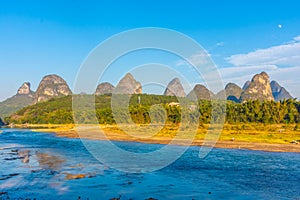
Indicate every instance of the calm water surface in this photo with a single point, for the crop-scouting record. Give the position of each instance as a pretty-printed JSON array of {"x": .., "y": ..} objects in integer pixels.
[{"x": 39, "y": 165}]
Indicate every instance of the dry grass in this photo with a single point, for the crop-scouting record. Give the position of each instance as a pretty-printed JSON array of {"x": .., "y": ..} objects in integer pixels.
[
  {"x": 271, "y": 133},
  {"x": 232, "y": 136}
]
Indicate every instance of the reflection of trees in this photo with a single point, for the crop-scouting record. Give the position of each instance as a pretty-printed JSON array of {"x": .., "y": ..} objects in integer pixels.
[{"x": 47, "y": 161}]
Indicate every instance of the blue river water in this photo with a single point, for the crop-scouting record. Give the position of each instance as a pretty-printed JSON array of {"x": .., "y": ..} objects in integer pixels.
[{"x": 37, "y": 165}]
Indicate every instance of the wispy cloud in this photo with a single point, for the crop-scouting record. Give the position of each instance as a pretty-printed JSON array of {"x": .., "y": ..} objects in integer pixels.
[
  {"x": 281, "y": 62},
  {"x": 297, "y": 39},
  {"x": 287, "y": 77},
  {"x": 197, "y": 59},
  {"x": 220, "y": 44},
  {"x": 286, "y": 55}
]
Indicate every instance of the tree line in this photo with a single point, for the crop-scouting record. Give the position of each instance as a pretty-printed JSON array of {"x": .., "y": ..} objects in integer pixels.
[{"x": 144, "y": 109}]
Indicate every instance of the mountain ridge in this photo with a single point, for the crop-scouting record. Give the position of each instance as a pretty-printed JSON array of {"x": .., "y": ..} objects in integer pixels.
[
  {"x": 258, "y": 89},
  {"x": 128, "y": 85},
  {"x": 174, "y": 88},
  {"x": 279, "y": 92},
  {"x": 52, "y": 86}
]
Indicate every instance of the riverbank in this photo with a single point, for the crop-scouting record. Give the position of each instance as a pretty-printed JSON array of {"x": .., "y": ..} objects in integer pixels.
[
  {"x": 42, "y": 166},
  {"x": 274, "y": 138}
]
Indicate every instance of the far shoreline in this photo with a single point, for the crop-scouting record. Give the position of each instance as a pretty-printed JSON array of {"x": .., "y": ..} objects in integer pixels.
[
  {"x": 220, "y": 144},
  {"x": 91, "y": 133}
]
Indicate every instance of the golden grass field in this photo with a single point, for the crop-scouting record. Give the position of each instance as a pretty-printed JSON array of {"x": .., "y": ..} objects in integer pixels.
[{"x": 270, "y": 137}]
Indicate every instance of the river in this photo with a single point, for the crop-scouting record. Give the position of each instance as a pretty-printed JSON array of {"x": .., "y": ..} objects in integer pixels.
[{"x": 37, "y": 165}]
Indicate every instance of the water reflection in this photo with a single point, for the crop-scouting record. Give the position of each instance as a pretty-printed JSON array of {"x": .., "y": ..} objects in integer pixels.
[
  {"x": 41, "y": 166},
  {"x": 24, "y": 156},
  {"x": 48, "y": 161}
]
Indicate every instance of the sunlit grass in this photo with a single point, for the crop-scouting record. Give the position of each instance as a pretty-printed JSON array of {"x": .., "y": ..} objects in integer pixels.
[{"x": 259, "y": 133}]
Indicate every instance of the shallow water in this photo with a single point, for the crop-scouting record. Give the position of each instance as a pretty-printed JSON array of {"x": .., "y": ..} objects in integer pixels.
[{"x": 36, "y": 165}]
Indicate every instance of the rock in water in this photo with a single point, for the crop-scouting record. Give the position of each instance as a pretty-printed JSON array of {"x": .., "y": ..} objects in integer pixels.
[
  {"x": 51, "y": 86},
  {"x": 1, "y": 123},
  {"x": 231, "y": 92},
  {"x": 128, "y": 85},
  {"x": 258, "y": 89},
  {"x": 200, "y": 92},
  {"x": 246, "y": 85},
  {"x": 279, "y": 92},
  {"x": 104, "y": 88},
  {"x": 175, "y": 88}
]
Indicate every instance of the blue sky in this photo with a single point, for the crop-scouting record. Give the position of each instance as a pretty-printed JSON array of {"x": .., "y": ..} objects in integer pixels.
[{"x": 243, "y": 37}]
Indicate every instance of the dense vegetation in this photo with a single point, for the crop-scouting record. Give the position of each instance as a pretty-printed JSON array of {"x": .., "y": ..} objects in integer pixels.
[
  {"x": 141, "y": 110},
  {"x": 14, "y": 104}
]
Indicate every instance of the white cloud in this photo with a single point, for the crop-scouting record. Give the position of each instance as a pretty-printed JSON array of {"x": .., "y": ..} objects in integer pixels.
[
  {"x": 198, "y": 59},
  {"x": 181, "y": 63},
  {"x": 220, "y": 44},
  {"x": 286, "y": 55},
  {"x": 238, "y": 75},
  {"x": 281, "y": 62},
  {"x": 286, "y": 77},
  {"x": 297, "y": 39}
]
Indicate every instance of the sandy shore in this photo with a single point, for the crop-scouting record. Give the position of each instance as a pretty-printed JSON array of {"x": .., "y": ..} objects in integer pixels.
[{"x": 93, "y": 134}]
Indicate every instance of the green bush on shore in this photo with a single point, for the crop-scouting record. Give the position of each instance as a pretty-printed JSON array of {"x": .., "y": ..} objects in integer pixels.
[{"x": 59, "y": 111}]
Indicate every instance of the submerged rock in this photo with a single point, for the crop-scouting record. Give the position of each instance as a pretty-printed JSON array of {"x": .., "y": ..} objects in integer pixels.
[
  {"x": 1, "y": 123},
  {"x": 74, "y": 176}
]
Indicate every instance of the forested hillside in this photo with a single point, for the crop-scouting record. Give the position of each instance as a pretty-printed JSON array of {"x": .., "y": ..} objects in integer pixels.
[{"x": 59, "y": 111}]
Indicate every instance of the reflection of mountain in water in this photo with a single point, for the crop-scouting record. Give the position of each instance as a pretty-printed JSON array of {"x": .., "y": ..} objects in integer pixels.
[
  {"x": 47, "y": 161},
  {"x": 61, "y": 168}
]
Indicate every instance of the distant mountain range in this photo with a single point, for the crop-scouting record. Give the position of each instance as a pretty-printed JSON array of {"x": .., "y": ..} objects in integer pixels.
[
  {"x": 279, "y": 92},
  {"x": 23, "y": 98},
  {"x": 53, "y": 86},
  {"x": 259, "y": 88},
  {"x": 50, "y": 86}
]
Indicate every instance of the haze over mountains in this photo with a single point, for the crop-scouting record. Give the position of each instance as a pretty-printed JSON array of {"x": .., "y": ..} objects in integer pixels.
[
  {"x": 279, "y": 92},
  {"x": 231, "y": 92},
  {"x": 53, "y": 86}
]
